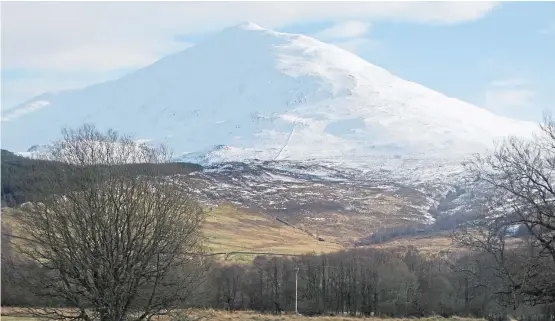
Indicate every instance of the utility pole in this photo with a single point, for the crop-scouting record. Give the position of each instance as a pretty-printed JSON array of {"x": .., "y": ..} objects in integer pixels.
[{"x": 296, "y": 277}]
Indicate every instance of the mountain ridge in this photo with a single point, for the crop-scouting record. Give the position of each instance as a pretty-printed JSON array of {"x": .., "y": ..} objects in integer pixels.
[{"x": 252, "y": 93}]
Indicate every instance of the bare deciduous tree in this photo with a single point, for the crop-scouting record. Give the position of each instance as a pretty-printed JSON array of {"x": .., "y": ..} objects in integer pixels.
[
  {"x": 116, "y": 245},
  {"x": 517, "y": 181}
]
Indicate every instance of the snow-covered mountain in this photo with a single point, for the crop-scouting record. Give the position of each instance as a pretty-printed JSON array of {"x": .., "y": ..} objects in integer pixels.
[
  {"x": 288, "y": 125},
  {"x": 252, "y": 93}
]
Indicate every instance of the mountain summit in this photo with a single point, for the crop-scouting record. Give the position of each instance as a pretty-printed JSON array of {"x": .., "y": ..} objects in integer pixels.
[
  {"x": 248, "y": 25},
  {"x": 249, "y": 92}
]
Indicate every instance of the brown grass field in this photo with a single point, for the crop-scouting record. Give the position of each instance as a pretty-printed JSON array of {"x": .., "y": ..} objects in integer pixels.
[
  {"x": 230, "y": 229},
  {"x": 214, "y": 315},
  {"x": 431, "y": 244},
  {"x": 11, "y": 314}
]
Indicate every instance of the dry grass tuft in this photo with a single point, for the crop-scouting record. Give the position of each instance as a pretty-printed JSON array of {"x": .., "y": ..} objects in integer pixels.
[
  {"x": 219, "y": 315},
  {"x": 15, "y": 314}
]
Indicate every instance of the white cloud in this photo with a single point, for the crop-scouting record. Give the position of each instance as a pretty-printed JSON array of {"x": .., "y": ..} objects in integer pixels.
[
  {"x": 548, "y": 30},
  {"x": 497, "y": 99},
  {"x": 96, "y": 38},
  {"x": 511, "y": 82},
  {"x": 105, "y": 35},
  {"x": 360, "y": 45},
  {"x": 508, "y": 93},
  {"x": 13, "y": 114},
  {"x": 94, "y": 57},
  {"x": 350, "y": 35},
  {"x": 346, "y": 29},
  {"x": 16, "y": 91}
]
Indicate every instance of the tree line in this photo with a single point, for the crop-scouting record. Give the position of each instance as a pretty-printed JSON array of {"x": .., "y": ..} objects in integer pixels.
[
  {"x": 357, "y": 282},
  {"x": 366, "y": 282},
  {"x": 24, "y": 179}
]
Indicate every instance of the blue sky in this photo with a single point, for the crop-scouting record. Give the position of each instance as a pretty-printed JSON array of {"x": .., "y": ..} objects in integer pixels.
[
  {"x": 470, "y": 60},
  {"x": 498, "y": 56}
]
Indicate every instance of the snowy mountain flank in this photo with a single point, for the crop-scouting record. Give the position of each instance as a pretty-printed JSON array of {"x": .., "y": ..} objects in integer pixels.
[
  {"x": 249, "y": 94},
  {"x": 267, "y": 95}
]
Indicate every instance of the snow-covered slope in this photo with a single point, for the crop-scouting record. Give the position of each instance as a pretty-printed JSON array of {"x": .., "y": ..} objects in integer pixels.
[{"x": 249, "y": 92}]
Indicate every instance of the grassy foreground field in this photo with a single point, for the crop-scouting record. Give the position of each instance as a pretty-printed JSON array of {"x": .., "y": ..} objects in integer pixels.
[
  {"x": 213, "y": 315},
  {"x": 9, "y": 314},
  {"x": 229, "y": 229}
]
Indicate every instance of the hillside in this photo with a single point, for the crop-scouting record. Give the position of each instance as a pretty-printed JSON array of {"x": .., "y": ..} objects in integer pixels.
[
  {"x": 344, "y": 208},
  {"x": 246, "y": 215},
  {"x": 24, "y": 178},
  {"x": 230, "y": 229},
  {"x": 227, "y": 230}
]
